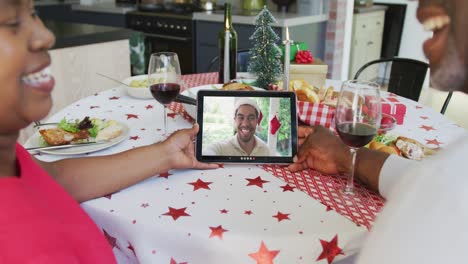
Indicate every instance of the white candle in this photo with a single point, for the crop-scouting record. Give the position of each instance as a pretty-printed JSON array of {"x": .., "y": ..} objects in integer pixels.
[
  {"x": 226, "y": 56},
  {"x": 287, "y": 49}
]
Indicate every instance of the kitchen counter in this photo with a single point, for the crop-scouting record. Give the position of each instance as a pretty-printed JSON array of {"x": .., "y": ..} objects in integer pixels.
[
  {"x": 373, "y": 8},
  {"x": 110, "y": 8},
  {"x": 76, "y": 34},
  {"x": 283, "y": 19}
]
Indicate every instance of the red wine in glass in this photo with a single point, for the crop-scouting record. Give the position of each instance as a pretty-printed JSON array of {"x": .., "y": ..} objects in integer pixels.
[
  {"x": 165, "y": 93},
  {"x": 356, "y": 135}
]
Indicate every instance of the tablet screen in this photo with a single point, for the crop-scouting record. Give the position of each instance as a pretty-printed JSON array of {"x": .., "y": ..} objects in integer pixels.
[{"x": 246, "y": 126}]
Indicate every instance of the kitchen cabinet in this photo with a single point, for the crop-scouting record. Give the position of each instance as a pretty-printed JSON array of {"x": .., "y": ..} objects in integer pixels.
[
  {"x": 302, "y": 28},
  {"x": 366, "y": 40}
]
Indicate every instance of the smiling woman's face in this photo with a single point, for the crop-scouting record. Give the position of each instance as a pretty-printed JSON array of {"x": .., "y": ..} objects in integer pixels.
[
  {"x": 25, "y": 84},
  {"x": 447, "y": 49}
]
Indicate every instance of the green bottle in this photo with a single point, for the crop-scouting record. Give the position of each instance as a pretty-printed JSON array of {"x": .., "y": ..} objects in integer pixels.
[{"x": 231, "y": 47}]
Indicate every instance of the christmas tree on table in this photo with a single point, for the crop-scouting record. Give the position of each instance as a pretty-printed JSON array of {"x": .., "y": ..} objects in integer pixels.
[{"x": 265, "y": 62}]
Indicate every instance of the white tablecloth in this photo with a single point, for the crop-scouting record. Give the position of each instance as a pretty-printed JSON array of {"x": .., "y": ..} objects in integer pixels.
[{"x": 235, "y": 214}]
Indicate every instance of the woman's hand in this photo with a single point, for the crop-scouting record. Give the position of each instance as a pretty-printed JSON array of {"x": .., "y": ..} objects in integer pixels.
[
  {"x": 179, "y": 147},
  {"x": 321, "y": 150}
]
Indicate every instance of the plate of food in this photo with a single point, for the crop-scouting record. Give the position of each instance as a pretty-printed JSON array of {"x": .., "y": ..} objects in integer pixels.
[
  {"x": 72, "y": 137},
  {"x": 137, "y": 86},
  {"x": 232, "y": 86}
]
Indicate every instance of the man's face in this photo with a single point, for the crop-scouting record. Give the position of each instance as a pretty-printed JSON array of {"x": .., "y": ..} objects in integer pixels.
[
  {"x": 447, "y": 49},
  {"x": 246, "y": 123}
]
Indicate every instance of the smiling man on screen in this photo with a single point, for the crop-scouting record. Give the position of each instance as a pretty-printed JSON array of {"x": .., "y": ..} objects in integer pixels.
[
  {"x": 426, "y": 214},
  {"x": 244, "y": 142}
]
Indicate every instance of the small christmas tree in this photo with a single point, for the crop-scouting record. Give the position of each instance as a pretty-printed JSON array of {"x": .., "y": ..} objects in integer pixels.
[{"x": 265, "y": 56}]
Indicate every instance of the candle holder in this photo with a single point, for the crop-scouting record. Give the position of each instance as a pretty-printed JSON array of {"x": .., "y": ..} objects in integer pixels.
[{"x": 287, "y": 49}]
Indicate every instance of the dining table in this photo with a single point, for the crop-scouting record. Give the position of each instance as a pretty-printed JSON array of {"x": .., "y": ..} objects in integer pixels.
[{"x": 237, "y": 213}]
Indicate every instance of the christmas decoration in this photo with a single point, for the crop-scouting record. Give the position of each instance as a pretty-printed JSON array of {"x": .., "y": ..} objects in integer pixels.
[
  {"x": 264, "y": 255},
  {"x": 274, "y": 125},
  {"x": 265, "y": 55},
  {"x": 330, "y": 249},
  {"x": 304, "y": 56}
]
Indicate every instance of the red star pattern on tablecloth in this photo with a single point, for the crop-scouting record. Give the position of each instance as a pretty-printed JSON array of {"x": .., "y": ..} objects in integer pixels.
[
  {"x": 419, "y": 107},
  {"x": 223, "y": 211},
  {"x": 131, "y": 248},
  {"x": 176, "y": 213},
  {"x": 287, "y": 187},
  {"x": 427, "y": 128},
  {"x": 256, "y": 181},
  {"x": 263, "y": 255},
  {"x": 171, "y": 115},
  {"x": 330, "y": 250},
  {"x": 280, "y": 216},
  {"x": 199, "y": 184},
  {"x": 93, "y": 106},
  {"x": 433, "y": 142},
  {"x": 134, "y": 137},
  {"x": 149, "y": 107},
  {"x": 248, "y": 212},
  {"x": 174, "y": 262},
  {"x": 217, "y": 231},
  {"x": 111, "y": 240},
  {"x": 114, "y": 98},
  {"x": 424, "y": 117},
  {"x": 130, "y": 116},
  {"x": 164, "y": 175}
]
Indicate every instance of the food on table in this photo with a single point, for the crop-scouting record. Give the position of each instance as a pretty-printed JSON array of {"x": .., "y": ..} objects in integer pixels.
[
  {"x": 387, "y": 122},
  {"x": 308, "y": 93},
  {"x": 87, "y": 129},
  {"x": 58, "y": 136},
  {"x": 235, "y": 86},
  {"x": 402, "y": 146},
  {"x": 110, "y": 132},
  {"x": 412, "y": 149},
  {"x": 143, "y": 83}
]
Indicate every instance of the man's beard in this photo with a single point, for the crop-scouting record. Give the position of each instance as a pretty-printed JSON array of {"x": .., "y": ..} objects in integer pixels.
[{"x": 451, "y": 74}]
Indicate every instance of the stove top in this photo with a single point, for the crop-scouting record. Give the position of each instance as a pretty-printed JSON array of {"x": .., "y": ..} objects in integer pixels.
[{"x": 170, "y": 8}]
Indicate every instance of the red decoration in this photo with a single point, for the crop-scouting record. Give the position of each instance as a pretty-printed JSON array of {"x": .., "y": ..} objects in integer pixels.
[
  {"x": 433, "y": 142},
  {"x": 131, "y": 248},
  {"x": 223, "y": 211},
  {"x": 427, "y": 128},
  {"x": 256, "y": 181},
  {"x": 304, "y": 57},
  {"x": 130, "y": 116},
  {"x": 248, "y": 212},
  {"x": 149, "y": 107},
  {"x": 164, "y": 175},
  {"x": 176, "y": 213},
  {"x": 330, "y": 250},
  {"x": 134, "y": 137},
  {"x": 217, "y": 231},
  {"x": 114, "y": 98},
  {"x": 264, "y": 256},
  {"x": 199, "y": 184},
  {"x": 175, "y": 262},
  {"x": 111, "y": 240},
  {"x": 274, "y": 125},
  {"x": 287, "y": 187},
  {"x": 280, "y": 216}
]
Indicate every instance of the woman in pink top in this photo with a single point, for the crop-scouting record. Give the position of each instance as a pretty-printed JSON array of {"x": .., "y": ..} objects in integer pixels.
[{"x": 41, "y": 220}]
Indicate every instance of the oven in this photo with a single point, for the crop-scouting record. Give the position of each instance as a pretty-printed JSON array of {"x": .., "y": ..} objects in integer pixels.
[{"x": 166, "y": 32}]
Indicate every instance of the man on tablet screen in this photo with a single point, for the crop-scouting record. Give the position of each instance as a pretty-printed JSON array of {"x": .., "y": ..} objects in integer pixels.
[{"x": 244, "y": 142}]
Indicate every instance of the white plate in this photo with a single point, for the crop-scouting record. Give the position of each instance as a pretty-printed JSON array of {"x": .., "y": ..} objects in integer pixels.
[
  {"x": 138, "y": 92},
  {"x": 192, "y": 92},
  {"x": 35, "y": 141}
]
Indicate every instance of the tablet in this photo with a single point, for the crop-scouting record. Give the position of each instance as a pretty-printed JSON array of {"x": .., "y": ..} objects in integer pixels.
[{"x": 246, "y": 126}]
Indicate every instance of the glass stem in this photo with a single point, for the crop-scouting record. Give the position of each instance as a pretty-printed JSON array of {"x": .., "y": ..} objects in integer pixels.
[
  {"x": 165, "y": 120},
  {"x": 350, "y": 183}
]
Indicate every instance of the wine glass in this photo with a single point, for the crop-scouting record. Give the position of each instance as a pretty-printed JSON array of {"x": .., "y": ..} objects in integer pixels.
[
  {"x": 164, "y": 79},
  {"x": 357, "y": 118}
]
